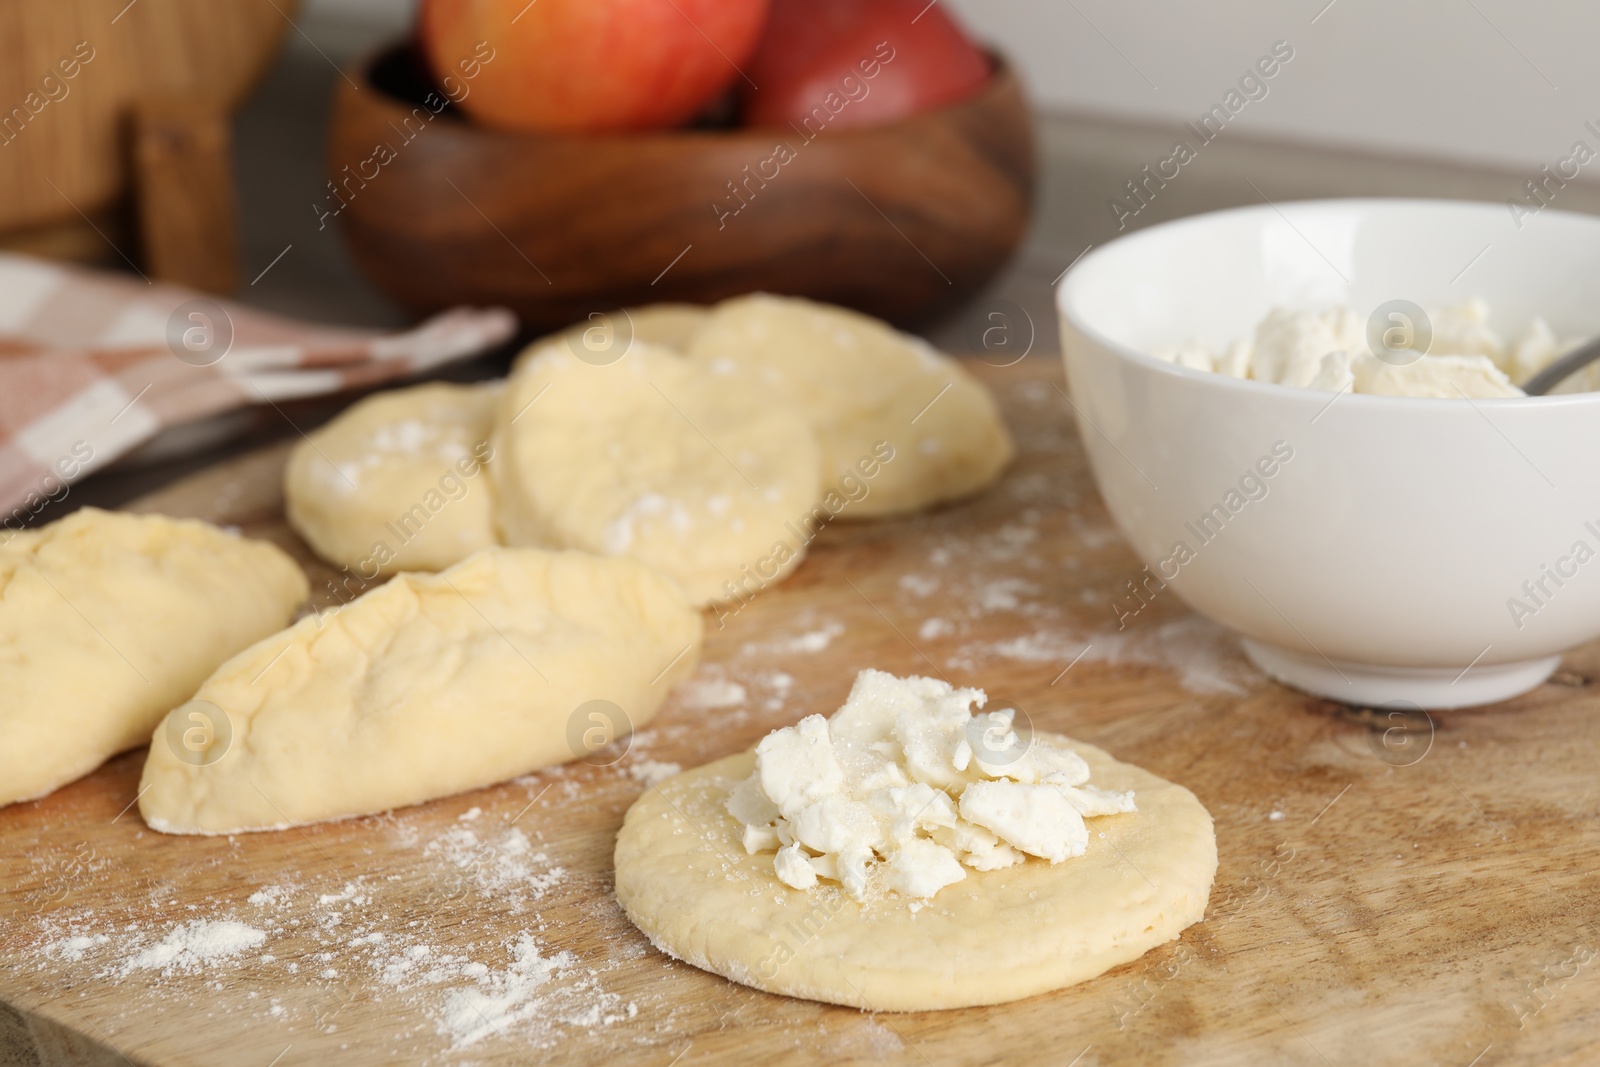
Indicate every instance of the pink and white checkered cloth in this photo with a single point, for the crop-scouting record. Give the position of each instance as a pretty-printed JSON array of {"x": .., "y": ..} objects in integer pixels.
[{"x": 93, "y": 364}]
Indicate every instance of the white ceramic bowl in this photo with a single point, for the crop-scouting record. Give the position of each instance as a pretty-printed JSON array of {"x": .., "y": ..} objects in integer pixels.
[{"x": 1384, "y": 559}]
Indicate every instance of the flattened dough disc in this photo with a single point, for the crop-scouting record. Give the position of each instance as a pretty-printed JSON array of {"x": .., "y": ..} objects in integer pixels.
[
  {"x": 859, "y": 382},
  {"x": 396, "y": 482},
  {"x": 599, "y": 335},
  {"x": 652, "y": 457},
  {"x": 686, "y": 881}
]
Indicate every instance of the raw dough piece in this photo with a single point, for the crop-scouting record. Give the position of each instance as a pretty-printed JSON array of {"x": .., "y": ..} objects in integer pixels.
[
  {"x": 672, "y": 325},
  {"x": 859, "y": 382},
  {"x": 685, "y": 879},
  {"x": 429, "y": 685},
  {"x": 653, "y": 457},
  {"x": 667, "y": 325},
  {"x": 108, "y": 620},
  {"x": 395, "y": 483}
]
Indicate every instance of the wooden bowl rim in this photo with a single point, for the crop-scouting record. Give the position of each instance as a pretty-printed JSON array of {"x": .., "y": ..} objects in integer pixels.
[{"x": 1003, "y": 83}]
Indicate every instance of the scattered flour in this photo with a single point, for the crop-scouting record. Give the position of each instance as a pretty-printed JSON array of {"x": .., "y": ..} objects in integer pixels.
[
  {"x": 816, "y": 640},
  {"x": 270, "y": 896},
  {"x": 512, "y": 995},
  {"x": 73, "y": 949},
  {"x": 422, "y": 961},
  {"x": 1032, "y": 487},
  {"x": 871, "y": 1040},
  {"x": 778, "y": 686},
  {"x": 809, "y": 642},
  {"x": 528, "y": 1000},
  {"x": 190, "y": 946},
  {"x": 504, "y": 866},
  {"x": 712, "y": 693},
  {"x": 651, "y": 772},
  {"x": 1015, "y": 537},
  {"x": 1202, "y": 654},
  {"x": 351, "y": 893},
  {"x": 1005, "y": 594},
  {"x": 501, "y": 998}
]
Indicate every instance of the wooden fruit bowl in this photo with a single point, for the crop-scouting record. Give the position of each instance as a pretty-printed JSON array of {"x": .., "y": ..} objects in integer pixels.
[{"x": 898, "y": 220}]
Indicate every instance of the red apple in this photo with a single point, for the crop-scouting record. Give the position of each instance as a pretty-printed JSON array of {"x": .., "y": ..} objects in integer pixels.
[
  {"x": 861, "y": 61},
  {"x": 587, "y": 65}
]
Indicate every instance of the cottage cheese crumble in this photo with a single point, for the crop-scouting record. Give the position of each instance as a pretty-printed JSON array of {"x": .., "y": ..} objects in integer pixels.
[
  {"x": 904, "y": 787},
  {"x": 1328, "y": 349}
]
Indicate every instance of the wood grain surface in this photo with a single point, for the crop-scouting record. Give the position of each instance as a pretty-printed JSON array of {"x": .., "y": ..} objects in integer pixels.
[{"x": 1390, "y": 891}]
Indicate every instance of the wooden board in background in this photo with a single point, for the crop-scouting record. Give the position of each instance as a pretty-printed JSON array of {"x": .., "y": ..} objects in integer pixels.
[{"x": 1431, "y": 902}]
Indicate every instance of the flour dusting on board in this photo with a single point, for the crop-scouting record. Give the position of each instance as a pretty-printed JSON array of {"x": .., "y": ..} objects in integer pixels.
[
  {"x": 967, "y": 588},
  {"x": 529, "y": 998},
  {"x": 711, "y": 693},
  {"x": 74, "y": 948},
  {"x": 411, "y": 942},
  {"x": 815, "y": 641},
  {"x": 817, "y": 636},
  {"x": 191, "y": 946},
  {"x": 1203, "y": 655}
]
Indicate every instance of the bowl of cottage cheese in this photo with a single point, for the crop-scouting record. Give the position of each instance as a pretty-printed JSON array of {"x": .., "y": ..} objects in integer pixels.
[{"x": 1306, "y": 419}]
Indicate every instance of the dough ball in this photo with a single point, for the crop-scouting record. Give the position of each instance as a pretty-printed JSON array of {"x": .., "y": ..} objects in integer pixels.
[
  {"x": 671, "y": 325},
  {"x": 108, "y": 620},
  {"x": 395, "y": 483},
  {"x": 859, "y": 383},
  {"x": 685, "y": 879},
  {"x": 602, "y": 335},
  {"x": 431, "y": 684},
  {"x": 653, "y": 457}
]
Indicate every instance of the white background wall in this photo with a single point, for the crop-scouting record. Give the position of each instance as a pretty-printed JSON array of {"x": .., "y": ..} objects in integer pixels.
[
  {"x": 1504, "y": 82},
  {"x": 1507, "y": 83}
]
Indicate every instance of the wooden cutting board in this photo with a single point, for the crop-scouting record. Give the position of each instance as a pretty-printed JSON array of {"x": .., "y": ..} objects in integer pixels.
[{"x": 1390, "y": 892}]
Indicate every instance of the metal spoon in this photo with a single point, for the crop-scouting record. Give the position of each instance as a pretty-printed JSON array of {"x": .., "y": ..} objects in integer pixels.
[{"x": 1555, "y": 373}]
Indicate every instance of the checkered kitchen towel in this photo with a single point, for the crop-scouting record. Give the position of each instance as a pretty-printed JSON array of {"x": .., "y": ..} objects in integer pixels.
[{"x": 94, "y": 364}]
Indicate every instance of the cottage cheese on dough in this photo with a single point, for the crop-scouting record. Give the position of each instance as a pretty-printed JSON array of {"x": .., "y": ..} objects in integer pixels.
[
  {"x": 973, "y": 872},
  {"x": 904, "y": 784}
]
